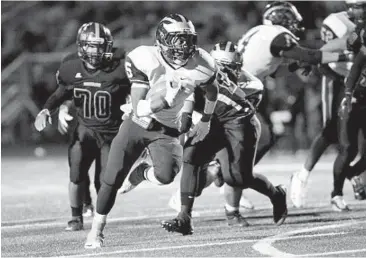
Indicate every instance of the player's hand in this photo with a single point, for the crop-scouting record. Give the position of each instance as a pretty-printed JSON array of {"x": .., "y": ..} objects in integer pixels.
[
  {"x": 345, "y": 107},
  {"x": 63, "y": 119},
  {"x": 42, "y": 118},
  {"x": 199, "y": 132},
  {"x": 127, "y": 110}
]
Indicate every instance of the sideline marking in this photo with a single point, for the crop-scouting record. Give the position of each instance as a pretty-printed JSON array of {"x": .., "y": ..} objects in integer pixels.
[{"x": 264, "y": 246}]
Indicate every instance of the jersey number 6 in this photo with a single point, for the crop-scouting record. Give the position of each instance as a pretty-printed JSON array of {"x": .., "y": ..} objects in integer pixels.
[{"x": 101, "y": 101}]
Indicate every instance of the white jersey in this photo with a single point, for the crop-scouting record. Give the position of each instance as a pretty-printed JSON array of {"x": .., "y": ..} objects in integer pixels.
[
  {"x": 337, "y": 25},
  {"x": 146, "y": 66},
  {"x": 256, "y": 48}
]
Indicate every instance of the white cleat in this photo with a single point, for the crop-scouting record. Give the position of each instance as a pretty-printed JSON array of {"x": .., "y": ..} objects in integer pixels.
[
  {"x": 94, "y": 240},
  {"x": 175, "y": 203},
  {"x": 297, "y": 190},
  {"x": 245, "y": 203},
  {"x": 142, "y": 160},
  {"x": 339, "y": 204}
]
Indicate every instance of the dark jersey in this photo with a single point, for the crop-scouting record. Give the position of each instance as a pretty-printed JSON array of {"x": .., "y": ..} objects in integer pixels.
[
  {"x": 97, "y": 96},
  {"x": 231, "y": 102}
]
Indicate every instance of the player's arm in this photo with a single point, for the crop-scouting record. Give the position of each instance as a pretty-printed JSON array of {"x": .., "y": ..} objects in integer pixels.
[
  {"x": 284, "y": 45},
  {"x": 62, "y": 93},
  {"x": 211, "y": 91},
  {"x": 186, "y": 118},
  {"x": 355, "y": 72},
  {"x": 252, "y": 87}
]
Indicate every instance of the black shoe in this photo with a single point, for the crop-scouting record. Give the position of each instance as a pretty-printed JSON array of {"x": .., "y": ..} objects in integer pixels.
[
  {"x": 75, "y": 225},
  {"x": 279, "y": 205},
  {"x": 234, "y": 218},
  {"x": 179, "y": 225},
  {"x": 359, "y": 189}
]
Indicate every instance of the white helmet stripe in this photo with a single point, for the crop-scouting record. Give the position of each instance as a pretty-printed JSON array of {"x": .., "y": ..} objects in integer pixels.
[{"x": 97, "y": 34}]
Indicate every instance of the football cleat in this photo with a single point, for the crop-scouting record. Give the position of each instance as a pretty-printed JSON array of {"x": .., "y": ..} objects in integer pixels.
[
  {"x": 88, "y": 210},
  {"x": 136, "y": 174},
  {"x": 297, "y": 189},
  {"x": 75, "y": 225},
  {"x": 279, "y": 205},
  {"x": 214, "y": 169},
  {"x": 94, "y": 240},
  {"x": 235, "y": 219},
  {"x": 339, "y": 204},
  {"x": 359, "y": 189},
  {"x": 246, "y": 203},
  {"x": 179, "y": 225}
]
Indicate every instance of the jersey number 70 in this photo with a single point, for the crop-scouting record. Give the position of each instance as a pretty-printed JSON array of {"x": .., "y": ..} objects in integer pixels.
[{"x": 100, "y": 101}]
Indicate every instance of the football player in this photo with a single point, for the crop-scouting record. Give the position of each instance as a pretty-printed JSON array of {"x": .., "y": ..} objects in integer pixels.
[
  {"x": 336, "y": 25},
  {"x": 235, "y": 128},
  {"x": 352, "y": 114},
  {"x": 97, "y": 84},
  {"x": 163, "y": 77},
  {"x": 212, "y": 172},
  {"x": 269, "y": 48}
]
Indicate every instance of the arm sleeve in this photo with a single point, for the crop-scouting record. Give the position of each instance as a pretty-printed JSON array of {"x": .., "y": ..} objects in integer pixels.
[
  {"x": 282, "y": 42},
  {"x": 356, "y": 70},
  {"x": 63, "y": 92}
]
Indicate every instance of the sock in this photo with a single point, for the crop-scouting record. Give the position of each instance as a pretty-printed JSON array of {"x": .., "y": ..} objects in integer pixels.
[
  {"x": 188, "y": 186},
  {"x": 304, "y": 174},
  {"x": 77, "y": 212},
  {"x": 230, "y": 208},
  {"x": 99, "y": 222}
]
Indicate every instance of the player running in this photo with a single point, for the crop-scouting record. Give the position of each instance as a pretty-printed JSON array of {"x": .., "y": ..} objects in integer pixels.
[
  {"x": 335, "y": 26},
  {"x": 163, "y": 77},
  {"x": 235, "y": 128},
  {"x": 97, "y": 84}
]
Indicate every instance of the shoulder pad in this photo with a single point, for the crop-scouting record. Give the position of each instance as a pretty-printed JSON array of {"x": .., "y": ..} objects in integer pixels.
[
  {"x": 118, "y": 53},
  {"x": 142, "y": 58}
]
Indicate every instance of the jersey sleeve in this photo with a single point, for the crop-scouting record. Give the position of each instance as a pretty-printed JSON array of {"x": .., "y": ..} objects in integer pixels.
[
  {"x": 210, "y": 64},
  {"x": 136, "y": 70},
  {"x": 356, "y": 39},
  {"x": 282, "y": 42}
]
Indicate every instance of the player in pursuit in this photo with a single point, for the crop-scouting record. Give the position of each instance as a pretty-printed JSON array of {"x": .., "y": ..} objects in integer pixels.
[
  {"x": 235, "y": 128},
  {"x": 163, "y": 77},
  {"x": 97, "y": 85},
  {"x": 336, "y": 26}
]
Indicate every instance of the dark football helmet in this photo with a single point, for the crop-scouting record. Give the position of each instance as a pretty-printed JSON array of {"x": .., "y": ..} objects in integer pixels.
[
  {"x": 94, "y": 42},
  {"x": 284, "y": 14},
  {"x": 226, "y": 55},
  {"x": 356, "y": 10},
  {"x": 176, "y": 38}
]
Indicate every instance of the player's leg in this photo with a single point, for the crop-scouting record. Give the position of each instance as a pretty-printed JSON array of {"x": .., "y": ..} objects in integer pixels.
[
  {"x": 331, "y": 97},
  {"x": 242, "y": 137},
  {"x": 267, "y": 137},
  {"x": 194, "y": 157},
  {"x": 88, "y": 208},
  {"x": 348, "y": 134},
  {"x": 81, "y": 155},
  {"x": 125, "y": 149}
]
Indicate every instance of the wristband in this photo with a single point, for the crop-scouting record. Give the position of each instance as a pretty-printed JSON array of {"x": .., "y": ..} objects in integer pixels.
[{"x": 144, "y": 108}]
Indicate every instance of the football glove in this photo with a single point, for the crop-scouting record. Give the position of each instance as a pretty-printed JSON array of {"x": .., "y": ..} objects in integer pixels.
[
  {"x": 345, "y": 107},
  {"x": 63, "y": 119},
  {"x": 127, "y": 110},
  {"x": 42, "y": 118},
  {"x": 199, "y": 132}
]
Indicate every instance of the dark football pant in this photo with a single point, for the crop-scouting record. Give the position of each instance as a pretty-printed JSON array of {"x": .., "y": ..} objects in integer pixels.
[
  {"x": 332, "y": 95},
  {"x": 267, "y": 137},
  {"x": 164, "y": 149},
  {"x": 87, "y": 146},
  {"x": 239, "y": 137},
  {"x": 348, "y": 140}
]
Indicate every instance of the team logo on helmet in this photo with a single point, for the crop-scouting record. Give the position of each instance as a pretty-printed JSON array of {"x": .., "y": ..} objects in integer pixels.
[{"x": 177, "y": 39}]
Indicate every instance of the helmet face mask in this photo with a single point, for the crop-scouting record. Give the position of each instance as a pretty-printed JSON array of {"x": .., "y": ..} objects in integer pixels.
[
  {"x": 284, "y": 14},
  {"x": 94, "y": 42},
  {"x": 228, "y": 58},
  {"x": 177, "y": 39}
]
